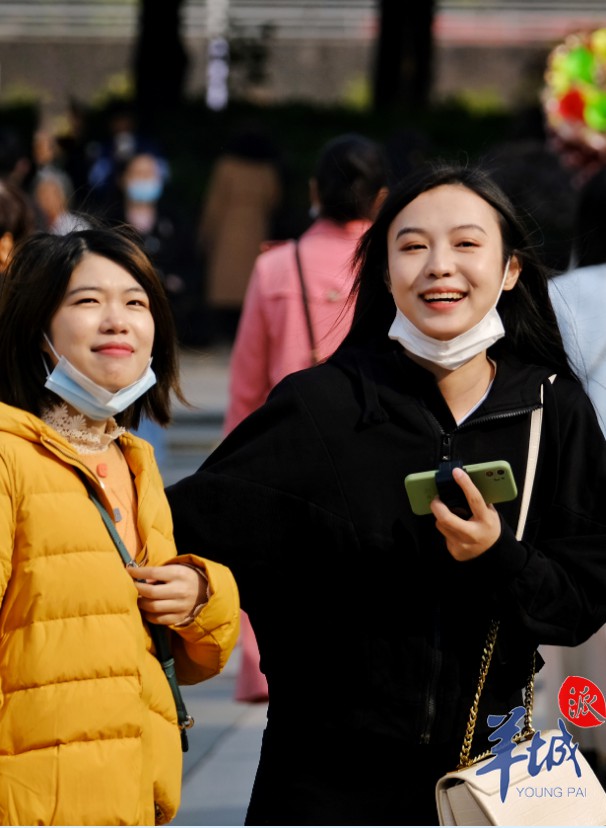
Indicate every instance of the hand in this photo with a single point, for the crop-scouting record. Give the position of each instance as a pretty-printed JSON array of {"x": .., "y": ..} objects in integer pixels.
[
  {"x": 167, "y": 594},
  {"x": 467, "y": 539}
]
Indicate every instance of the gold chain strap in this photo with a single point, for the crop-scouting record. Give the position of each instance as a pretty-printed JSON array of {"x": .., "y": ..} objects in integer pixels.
[{"x": 528, "y": 730}]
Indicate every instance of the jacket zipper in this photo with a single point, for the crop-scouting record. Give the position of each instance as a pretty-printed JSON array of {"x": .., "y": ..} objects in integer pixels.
[
  {"x": 446, "y": 437},
  {"x": 446, "y": 441}
]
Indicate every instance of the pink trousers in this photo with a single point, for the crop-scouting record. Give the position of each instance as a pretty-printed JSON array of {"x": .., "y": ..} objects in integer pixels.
[{"x": 251, "y": 685}]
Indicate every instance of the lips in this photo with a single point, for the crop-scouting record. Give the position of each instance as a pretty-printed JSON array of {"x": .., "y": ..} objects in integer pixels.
[
  {"x": 443, "y": 296},
  {"x": 114, "y": 348}
]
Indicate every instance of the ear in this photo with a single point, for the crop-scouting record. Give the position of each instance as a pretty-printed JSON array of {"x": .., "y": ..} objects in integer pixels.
[
  {"x": 46, "y": 349},
  {"x": 513, "y": 274},
  {"x": 314, "y": 198}
]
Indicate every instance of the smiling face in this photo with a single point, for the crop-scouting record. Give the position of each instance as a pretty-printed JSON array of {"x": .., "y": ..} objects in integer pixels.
[
  {"x": 445, "y": 260},
  {"x": 103, "y": 326}
]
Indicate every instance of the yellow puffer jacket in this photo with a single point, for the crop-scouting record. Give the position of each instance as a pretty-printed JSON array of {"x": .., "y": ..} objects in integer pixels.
[{"x": 88, "y": 732}]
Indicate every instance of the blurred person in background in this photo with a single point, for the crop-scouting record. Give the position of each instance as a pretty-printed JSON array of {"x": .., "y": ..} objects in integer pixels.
[
  {"x": 535, "y": 178},
  {"x": 16, "y": 219},
  {"x": 123, "y": 139},
  {"x": 285, "y": 327},
  {"x": 142, "y": 202},
  {"x": 52, "y": 192},
  {"x": 15, "y": 163},
  {"x": 579, "y": 297},
  {"x": 243, "y": 194}
]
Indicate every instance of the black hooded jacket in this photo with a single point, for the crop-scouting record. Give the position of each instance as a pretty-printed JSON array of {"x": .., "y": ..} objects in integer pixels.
[{"x": 369, "y": 631}]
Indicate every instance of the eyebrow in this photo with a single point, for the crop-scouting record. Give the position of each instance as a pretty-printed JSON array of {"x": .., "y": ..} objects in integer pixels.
[
  {"x": 97, "y": 289},
  {"x": 404, "y": 230}
]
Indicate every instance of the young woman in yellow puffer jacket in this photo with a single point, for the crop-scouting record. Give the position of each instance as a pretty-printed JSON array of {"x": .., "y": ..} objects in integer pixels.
[{"x": 88, "y": 723}]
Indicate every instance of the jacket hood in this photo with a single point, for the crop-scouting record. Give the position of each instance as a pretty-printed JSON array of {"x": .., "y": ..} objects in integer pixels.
[
  {"x": 28, "y": 426},
  {"x": 387, "y": 376}
]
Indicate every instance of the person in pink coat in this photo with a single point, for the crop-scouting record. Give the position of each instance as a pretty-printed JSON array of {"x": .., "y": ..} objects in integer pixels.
[{"x": 296, "y": 311}]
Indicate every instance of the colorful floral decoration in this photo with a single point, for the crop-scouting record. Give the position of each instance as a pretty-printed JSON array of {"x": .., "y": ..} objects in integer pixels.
[{"x": 574, "y": 98}]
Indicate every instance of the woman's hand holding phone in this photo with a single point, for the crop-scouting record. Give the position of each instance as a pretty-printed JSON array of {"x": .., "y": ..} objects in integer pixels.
[{"x": 467, "y": 539}]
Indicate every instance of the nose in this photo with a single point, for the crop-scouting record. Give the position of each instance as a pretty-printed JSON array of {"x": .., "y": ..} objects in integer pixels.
[
  {"x": 114, "y": 319},
  {"x": 439, "y": 261}
]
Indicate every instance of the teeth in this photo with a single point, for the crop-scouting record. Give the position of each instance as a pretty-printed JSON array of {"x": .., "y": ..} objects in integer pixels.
[{"x": 438, "y": 297}]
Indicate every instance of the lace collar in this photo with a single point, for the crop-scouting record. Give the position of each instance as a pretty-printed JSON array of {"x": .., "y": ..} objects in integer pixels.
[{"x": 75, "y": 429}]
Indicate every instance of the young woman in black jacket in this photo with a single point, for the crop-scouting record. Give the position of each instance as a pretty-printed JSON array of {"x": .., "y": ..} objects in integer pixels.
[{"x": 371, "y": 620}]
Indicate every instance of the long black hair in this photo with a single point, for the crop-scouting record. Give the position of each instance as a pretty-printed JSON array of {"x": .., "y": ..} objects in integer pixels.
[{"x": 532, "y": 332}]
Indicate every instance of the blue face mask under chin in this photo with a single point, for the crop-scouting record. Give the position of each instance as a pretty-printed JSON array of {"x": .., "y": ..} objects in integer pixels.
[{"x": 90, "y": 399}]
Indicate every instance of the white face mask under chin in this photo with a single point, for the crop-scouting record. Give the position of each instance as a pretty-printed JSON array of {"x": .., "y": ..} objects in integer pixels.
[{"x": 451, "y": 353}]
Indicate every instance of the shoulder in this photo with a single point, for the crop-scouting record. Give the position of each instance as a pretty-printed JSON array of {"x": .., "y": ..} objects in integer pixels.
[
  {"x": 579, "y": 280},
  {"x": 275, "y": 251},
  {"x": 346, "y": 387},
  {"x": 275, "y": 268},
  {"x": 576, "y": 416}
]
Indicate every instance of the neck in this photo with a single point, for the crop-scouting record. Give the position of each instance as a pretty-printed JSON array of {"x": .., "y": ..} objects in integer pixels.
[
  {"x": 465, "y": 386},
  {"x": 97, "y": 426}
]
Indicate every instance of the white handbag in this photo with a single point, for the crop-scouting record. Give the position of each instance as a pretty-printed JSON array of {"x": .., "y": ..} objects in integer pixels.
[
  {"x": 557, "y": 796},
  {"x": 554, "y": 797}
]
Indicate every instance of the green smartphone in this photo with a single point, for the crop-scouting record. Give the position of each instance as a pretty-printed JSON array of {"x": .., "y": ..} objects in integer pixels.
[{"x": 494, "y": 480}]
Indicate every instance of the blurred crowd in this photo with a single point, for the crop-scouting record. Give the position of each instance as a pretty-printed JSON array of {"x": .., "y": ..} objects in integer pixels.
[
  {"x": 207, "y": 253},
  {"x": 58, "y": 182}
]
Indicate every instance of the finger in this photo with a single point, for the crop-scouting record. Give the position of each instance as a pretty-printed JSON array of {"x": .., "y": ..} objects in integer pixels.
[
  {"x": 162, "y": 607},
  {"x": 146, "y": 573},
  {"x": 477, "y": 504},
  {"x": 165, "y": 618},
  {"x": 159, "y": 591},
  {"x": 446, "y": 518}
]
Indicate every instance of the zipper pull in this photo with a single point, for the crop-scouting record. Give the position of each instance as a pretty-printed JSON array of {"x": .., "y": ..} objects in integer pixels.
[{"x": 446, "y": 447}]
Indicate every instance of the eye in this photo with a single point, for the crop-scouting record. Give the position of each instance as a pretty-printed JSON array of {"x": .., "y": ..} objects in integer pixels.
[
  {"x": 86, "y": 300},
  {"x": 467, "y": 243},
  {"x": 138, "y": 303},
  {"x": 411, "y": 246}
]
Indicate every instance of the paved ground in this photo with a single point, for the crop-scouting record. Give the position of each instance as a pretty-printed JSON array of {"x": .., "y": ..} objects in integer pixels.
[
  {"x": 219, "y": 768},
  {"x": 220, "y": 765}
]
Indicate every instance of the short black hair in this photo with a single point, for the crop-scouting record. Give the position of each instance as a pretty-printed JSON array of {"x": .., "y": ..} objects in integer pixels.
[
  {"x": 32, "y": 290},
  {"x": 350, "y": 172}
]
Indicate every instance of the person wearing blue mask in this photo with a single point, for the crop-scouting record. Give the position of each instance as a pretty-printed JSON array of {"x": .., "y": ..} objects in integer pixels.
[
  {"x": 371, "y": 611},
  {"x": 92, "y": 594},
  {"x": 146, "y": 204},
  {"x": 145, "y": 207}
]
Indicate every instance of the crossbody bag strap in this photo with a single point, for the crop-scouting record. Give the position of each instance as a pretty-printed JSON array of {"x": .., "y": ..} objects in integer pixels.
[
  {"x": 536, "y": 421},
  {"x": 534, "y": 441},
  {"x": 158, "y": 632},
  {"x": 306, "y": 309}
]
